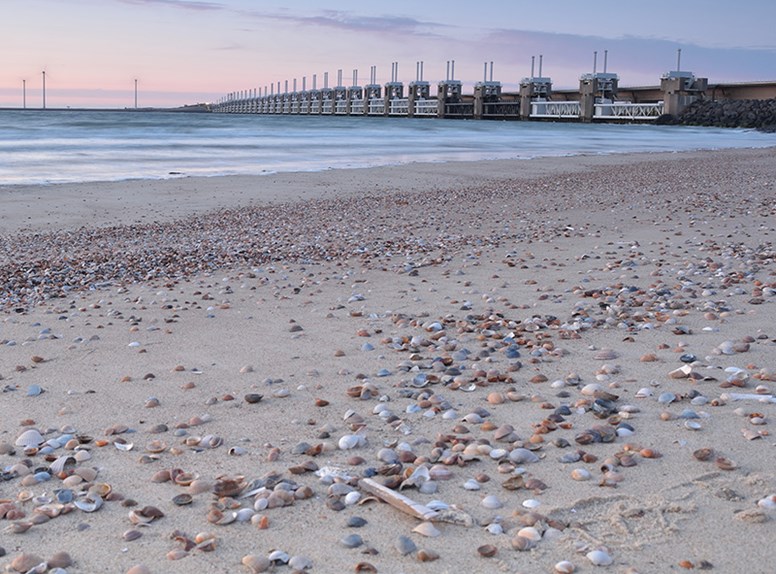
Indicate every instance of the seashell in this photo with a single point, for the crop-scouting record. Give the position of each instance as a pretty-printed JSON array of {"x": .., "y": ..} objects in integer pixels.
[
  {"x": 182, "y": 499},
  {"x": 25, "y": 562},
  {"x": 156, "y": 446},
  {"x": 279, "y": 557},
  {"x": 139, "y": 569},
  {"x": 131, "y": 535},
  {"x": 19, "y": 527},
  {"x": 521, "y": 543},
  {"x": 82, "y": 455},
  {"x": 405, "y": 546},
  {"x": 352, "y": 498},
  {"x": 581, "y": 474},
  {"x": 427, "y": 555},
  {"x": 564, "y": 567},
  {"x": 605, "y": 355},
  {"x": 531, "y": 533},
  {"x": 183, "y": 478},
  {"x": 599, "y": 558},
  {"x": 60, "y": 560},
  {"x": 365, "y": 567},
  {"x": 725, "y": 463},
  {"x": 86, "y": 473},
  {"x": 60, "y": 463},
  {"x": 177, "y": 554},
  {"x": 100, "y": 489},
  {"x": 427, "y": 529},
  {"x": 30, "y": 438},
  {"x": 300, "y": 563},
  {"x": 487, "y": 550},
  {"x": 89, "y": 503},
  {"x": 531, "y": 503},
  {"x": 256, "y": 564},
  {"x": 522, "y": 456},
  {"x": 350, "y": 441},
  {"x": 440, "y": 472},
  {"x": 491, "y": 502},
  {"x": 767, "y": 503},
  {"x": 145, "y": 515}
]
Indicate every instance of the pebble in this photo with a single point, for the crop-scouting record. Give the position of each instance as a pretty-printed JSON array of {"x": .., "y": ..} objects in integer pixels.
[{"x": 405, "y": 546}]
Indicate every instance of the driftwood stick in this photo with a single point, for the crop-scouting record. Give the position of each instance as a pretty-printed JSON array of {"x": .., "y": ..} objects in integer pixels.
[
  {"x": 397, "y": 500},
  {"x": 748, "y": 397}
]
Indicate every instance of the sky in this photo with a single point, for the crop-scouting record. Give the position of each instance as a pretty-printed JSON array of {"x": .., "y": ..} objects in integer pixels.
[{"x": 179, "y": 52}]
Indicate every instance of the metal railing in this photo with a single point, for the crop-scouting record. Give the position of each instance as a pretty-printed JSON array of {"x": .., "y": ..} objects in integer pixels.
[
  {"x": 341, "y": 107},
  {"x": 376, "y": 107},
  {"x": 425, "y": 108},
  {"x": 555, "y": 110},
  {"x": 501, "y": 109},
  {"x": 628, "y": 111},
  {"x": 398, "y": 107},
  {"x": 459, "y": 110},
  {"x": 357, "y": 107}
]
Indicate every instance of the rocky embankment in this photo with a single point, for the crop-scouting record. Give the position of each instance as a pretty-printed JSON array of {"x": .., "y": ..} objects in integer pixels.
[{"x": 760, "y": 114}]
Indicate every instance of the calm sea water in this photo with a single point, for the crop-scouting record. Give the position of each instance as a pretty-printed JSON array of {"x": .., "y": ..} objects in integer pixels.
[{"x": 42, "y": 147}]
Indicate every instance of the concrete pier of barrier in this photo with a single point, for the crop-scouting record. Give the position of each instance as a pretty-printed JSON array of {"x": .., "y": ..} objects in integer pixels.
[{"x": 598, "y": 98}]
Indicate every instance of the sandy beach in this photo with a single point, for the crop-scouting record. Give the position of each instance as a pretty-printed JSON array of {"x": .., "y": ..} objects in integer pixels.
[{"x": 565, "y": 364}]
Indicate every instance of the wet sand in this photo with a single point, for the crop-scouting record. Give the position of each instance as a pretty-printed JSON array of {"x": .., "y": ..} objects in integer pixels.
[{"x": 608, "y": 309}]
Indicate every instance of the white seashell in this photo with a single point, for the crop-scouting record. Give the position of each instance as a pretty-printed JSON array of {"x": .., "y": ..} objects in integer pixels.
[
  {"x": 522, "y": 455},
  {"x": 279, "y": 556},
  {"x": 599, "y": 558},
  {"x": 89, "y": 503},
  {"x": 352, "y": 498},
  {"x": 530, "y": 533},
  {"x": 692, "y": 425},
  {"x": 427, "y": 529},
  {"x": 245, "y": 515},
  {"x": 564, "y": 567},
  {"x": 590, "y": 389},
  {"x": 497, "y": 453},
  {"x": 82, "y": 455},
  {"x": 495, "y": 528},
  {"x": 30, "y": 438},
  {"x": 642, "y": 393},
  {"x": 350, "y": 441},
  {"x": 768, "y": 503},
  {"x": 60, "y": 463},
  {"x": 491, "y": 502},
  {"x": 471, "y": 484},
  {"x": 531, "y": 503},
  {"x": 472, "y": 418},
  {"x": 438, "y": 505},
  {"x": 125, "y": 446}
]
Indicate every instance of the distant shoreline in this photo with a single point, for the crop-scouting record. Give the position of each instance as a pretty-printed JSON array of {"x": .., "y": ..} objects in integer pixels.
[{"x": 198, "y": 108}]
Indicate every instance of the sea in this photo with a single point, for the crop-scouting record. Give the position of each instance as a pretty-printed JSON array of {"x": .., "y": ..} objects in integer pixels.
[{"x": 42, "y": 147}]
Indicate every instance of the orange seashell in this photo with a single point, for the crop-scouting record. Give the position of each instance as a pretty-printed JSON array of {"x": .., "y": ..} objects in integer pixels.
[{"x": 649, "y": 453}]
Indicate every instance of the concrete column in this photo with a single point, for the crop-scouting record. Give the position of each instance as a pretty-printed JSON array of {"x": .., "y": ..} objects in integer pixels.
[{"x": 680, "y": 89}]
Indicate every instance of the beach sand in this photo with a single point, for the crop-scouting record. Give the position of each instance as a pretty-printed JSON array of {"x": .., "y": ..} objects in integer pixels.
[{"x": 484, "y": 332}]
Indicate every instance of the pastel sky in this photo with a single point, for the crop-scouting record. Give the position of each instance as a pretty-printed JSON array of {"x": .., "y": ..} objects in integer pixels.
[{"x": 189, "y": 51}]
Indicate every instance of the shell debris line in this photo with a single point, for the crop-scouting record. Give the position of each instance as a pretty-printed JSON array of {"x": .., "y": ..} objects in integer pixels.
[{"x": 568, "y": 371}]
